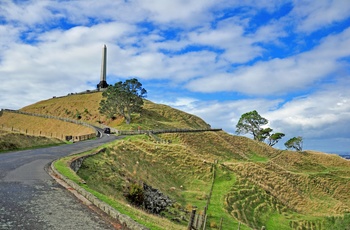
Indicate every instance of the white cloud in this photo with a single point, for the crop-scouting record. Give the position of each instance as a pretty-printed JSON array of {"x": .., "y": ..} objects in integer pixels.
[
  {"x": 48, "y": 48},
  {"x": 26, "y": 12},
  {"x": 312, "y": 15},
  {"x": 178, "y": 11},
  {"x": 278, "y": 76},
  {"x": 324, "y": 113}
]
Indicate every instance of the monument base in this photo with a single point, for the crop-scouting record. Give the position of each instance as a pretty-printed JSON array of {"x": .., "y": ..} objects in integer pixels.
[{"x": 102, "y": 85}]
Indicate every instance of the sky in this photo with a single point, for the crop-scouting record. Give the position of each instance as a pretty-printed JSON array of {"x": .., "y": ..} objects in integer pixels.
[{"x": 288, "y": 60}]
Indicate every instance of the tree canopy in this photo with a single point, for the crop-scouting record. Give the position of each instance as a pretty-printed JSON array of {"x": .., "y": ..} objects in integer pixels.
[
  {"x": 123, "y": 98},
  {"x": 295, "y": 143},
  {"x": 252, "y": 122}
]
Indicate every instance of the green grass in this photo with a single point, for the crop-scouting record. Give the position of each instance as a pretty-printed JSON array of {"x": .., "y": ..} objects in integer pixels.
[
  {"x": 258, "y": 186},
  {"x": 150, "y": 221},
  {"x": 223, "y": 182},
  {"x": 14, "y": 141}
]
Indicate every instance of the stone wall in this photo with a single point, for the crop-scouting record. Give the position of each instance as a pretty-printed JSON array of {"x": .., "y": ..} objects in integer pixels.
[{"x": 125, "y": 220}]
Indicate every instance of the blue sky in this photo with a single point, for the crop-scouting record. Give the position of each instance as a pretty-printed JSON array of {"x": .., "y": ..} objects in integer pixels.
[{"x": 289, "y": 60}]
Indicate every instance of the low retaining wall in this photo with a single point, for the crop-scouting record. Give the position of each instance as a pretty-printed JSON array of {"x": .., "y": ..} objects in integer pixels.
[{"x": 125, "y": 220}]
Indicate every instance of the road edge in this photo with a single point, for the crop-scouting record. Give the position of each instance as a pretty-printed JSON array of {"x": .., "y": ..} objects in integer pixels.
[{"x": 87, "y": 198}]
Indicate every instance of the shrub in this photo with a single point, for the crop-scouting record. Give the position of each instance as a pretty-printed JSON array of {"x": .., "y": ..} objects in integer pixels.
[{"x": 136, "y": 194}]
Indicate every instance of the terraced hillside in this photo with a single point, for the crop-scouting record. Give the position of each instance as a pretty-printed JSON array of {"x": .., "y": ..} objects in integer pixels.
[{"x": 254, "y": 183}]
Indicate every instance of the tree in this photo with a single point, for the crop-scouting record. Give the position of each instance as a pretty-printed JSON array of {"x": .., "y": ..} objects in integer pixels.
[
  {"x": 123, "y": 98},
  {"x": 295, "y": 143},
  {"x": 263, "y": 134},
  {"x": 250, "y": 123},
  {"x": 274, "y": 138}
]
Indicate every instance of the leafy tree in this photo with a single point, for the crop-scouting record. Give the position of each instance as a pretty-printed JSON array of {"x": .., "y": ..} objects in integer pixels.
[
  {"x": 295, "y": 143},
  {"x": 274, "y": 138},
  {"x": 264, "y": 133},
  {"x": 123, "y": 98},
  {"x": 251, "y": 122}
]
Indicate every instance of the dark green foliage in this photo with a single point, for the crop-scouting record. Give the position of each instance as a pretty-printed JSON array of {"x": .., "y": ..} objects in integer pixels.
[
  {"x": 124, "y": 98},
  {"x": 264, "y": 133},
  {"x": 136, "y": 194},
  {"x": 78, "y": 115},
  {"x": 251, "y": 122},
  {"x": 295, "y": 143},
  {"x": 5, "y": 146},
  {"x": 274, "y": 138}
]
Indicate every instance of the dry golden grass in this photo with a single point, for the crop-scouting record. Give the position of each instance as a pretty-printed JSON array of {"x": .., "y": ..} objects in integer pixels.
[
  {"x": 47, "y": 126},
  {"x": 153, "y": 116},
  {"x": 69, "y": 106}
]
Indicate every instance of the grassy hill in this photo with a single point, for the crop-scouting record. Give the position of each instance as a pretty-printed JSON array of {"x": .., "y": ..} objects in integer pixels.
[
  {"x": 85, "y": 106},
  {"x": 253, "y": 184}
]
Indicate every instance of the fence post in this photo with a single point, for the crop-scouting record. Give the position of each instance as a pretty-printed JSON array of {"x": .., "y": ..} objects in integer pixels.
[
  {"x": 190, "y": 224},
  {"x": 205, "y": 222},
  {"x": 204, "y": 216},
  {"x": 220, "y": 224}
]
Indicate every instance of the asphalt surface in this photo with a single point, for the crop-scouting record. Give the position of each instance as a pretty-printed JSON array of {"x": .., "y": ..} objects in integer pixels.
[{"x": 31, "y": 199}]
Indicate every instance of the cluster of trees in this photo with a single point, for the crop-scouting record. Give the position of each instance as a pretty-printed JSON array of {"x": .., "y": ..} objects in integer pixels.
[
  {"x": 123, "y": 98},
  {"x": 252, "y": 123}
]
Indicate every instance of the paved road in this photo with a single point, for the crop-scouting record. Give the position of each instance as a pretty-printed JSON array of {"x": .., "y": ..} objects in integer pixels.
[{"x": 31, "y": 199}]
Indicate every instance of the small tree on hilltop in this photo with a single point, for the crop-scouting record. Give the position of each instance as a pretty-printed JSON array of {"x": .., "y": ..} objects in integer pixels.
[
  {"x": 274, "y": 138},
  {"x": 123, "y": 98},
  {"x": 251, "y": 122},
  {"x": 295, "y": 143}
]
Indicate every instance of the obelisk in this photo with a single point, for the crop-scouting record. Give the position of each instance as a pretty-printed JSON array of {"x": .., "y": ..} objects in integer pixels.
[{"x": 103, "y": 83}]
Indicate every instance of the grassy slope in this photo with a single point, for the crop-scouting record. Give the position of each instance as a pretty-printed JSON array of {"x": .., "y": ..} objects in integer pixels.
[
  {"x": 45, "y": 125},
  {"x": 255, "y": 184},
  {"x": 154, "y": 116},
  {"x": 14, "y": 141}
]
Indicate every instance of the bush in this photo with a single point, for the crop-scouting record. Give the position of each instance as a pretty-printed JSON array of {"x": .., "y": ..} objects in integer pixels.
[{"x": 136, "y": 194}]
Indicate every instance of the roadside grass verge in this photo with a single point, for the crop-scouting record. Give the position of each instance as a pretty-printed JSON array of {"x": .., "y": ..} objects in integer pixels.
[
  {"x": 148, "y": 220},
  {"x": 15, "y": 141}
]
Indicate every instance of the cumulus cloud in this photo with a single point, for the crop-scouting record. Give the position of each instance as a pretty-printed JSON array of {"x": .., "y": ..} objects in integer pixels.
[
  {"x": 278, "y": 75},
  {"x": 313, "y": 15}
]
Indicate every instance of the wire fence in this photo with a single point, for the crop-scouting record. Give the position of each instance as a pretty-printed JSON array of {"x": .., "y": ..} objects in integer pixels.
[
  {"x": 39, "y": 133},
  {"x": 61, "y": 136}
]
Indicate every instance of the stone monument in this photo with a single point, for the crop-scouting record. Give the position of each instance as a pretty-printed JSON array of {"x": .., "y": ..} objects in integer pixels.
[{"x": 103, "y": 83}]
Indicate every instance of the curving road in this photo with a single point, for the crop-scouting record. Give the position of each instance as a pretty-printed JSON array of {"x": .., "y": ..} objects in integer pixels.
[{"x": 31, "y": 199}]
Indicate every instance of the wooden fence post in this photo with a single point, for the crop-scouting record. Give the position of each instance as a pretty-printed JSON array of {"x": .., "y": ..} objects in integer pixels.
[
  {"x": 220, "y": 224},
  {"x": 190, "y": 224}
]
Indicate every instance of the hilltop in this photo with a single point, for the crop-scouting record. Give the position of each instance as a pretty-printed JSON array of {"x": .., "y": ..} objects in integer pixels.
[
  {"x": 251, "y": 182},
  {"x": 85, "y": 107}
]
